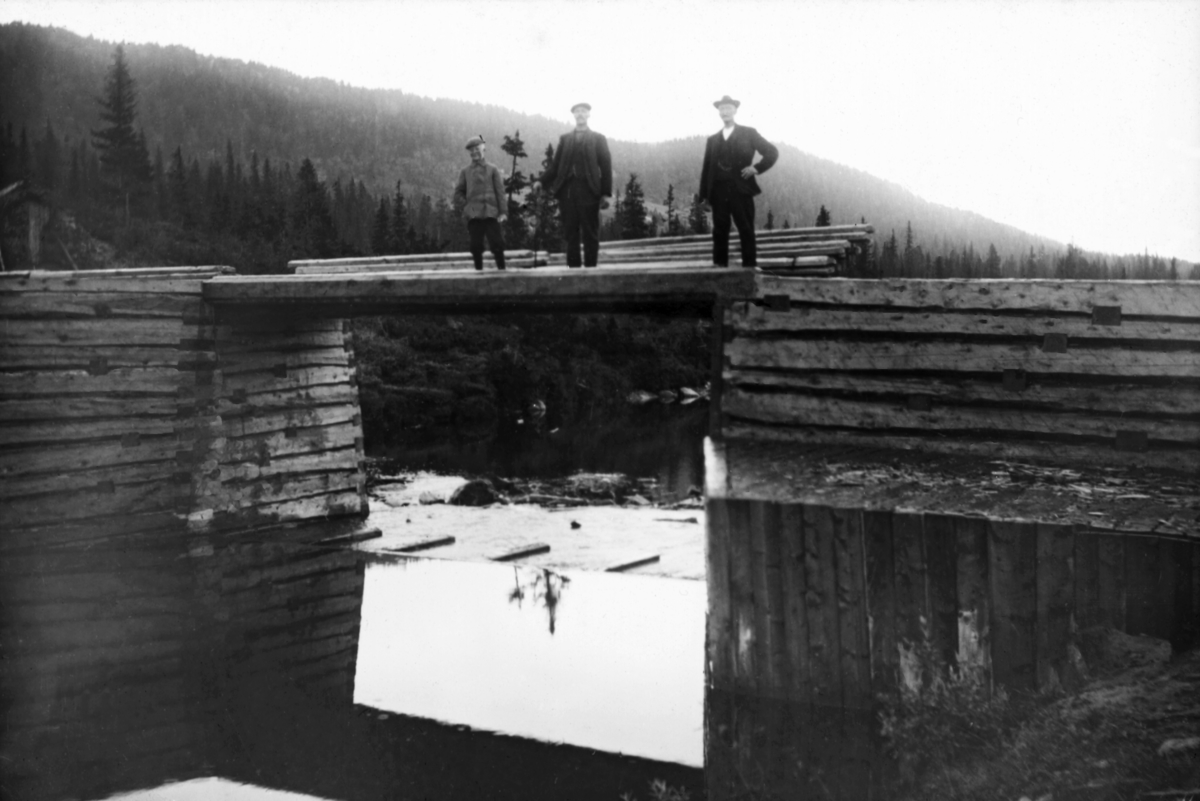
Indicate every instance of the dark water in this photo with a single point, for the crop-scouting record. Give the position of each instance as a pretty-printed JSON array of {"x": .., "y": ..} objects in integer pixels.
[{"x": 652, "y": 441}]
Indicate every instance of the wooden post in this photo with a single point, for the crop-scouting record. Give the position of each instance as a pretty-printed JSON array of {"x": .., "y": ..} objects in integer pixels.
[
  {"x": 941, "y": 555},
  {"x": 1012, "y": 566},
  {"x": 1055, "y": 599},
  {"x": 912, "y": 598},
  {"x": 794, "y": 589},
  {"x": 881, "y": 600},
  {"x": 820, "y": 575},
  {"x": 974, "y": 607},
  {"x": 853, "y": 635}
]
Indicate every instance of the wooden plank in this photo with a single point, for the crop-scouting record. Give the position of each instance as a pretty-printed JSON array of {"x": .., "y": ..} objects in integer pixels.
[
  {"x": 1087, "y": 579},
  {"x": 521, "y": 552},
  {"x": 82, "y": 408},
  {"x": 127, "y": 381},
  {"x": 949, "y": 356},
  {"x": 718, "y": 632},
  {"x": 100, "y": 305},
  {"x": 1182, "y": 460},
  {"x": 87, "y": 480},
  {"x": 912, "y": 596},
  {"x": 300, "y": 378},
  {"x": 890, "y": 414},
  {"x": 1179, "y": 398},
  {"x": 1110, "y": 582},
  {"x": 233, "y": 497},
  {"x": 1055, "y": 600},
  {"x": 488, "y": 288},
  {"x": 291, "y": 398},
  {"x": 88, "y": 430},
  {"x": 269, "y": 425},
  {"x": 288, "y": 464},
  {"x": 152, "y": 496},
  {"x": 631, "y": 563},
  {"x": 752, "y": 320},
  {"x": 85, "y": 282},
  {"x": 741, "y": 596},
  {"x": 408, "y": 258},
  {"x": 266, "y": 363},
  {"x": 881, "y": 600},
  {"x": 793, "y": 587},
  {"x": 824, "y": 232},
  {"x": 941, "y": 560},
  {"x": 108, "y": 331},
  {"x": 81, "y": 357},
  {"x": 349, "y": 503},
  {"x": 973, "y": 599},
  {"x": 820, "y": 578},
  {"x": 353, "y": 537},
  {"x": 251, "y": 342},
  {"x": 1141, "y": 577},
  {"x": 1012, "y": 570},
  {"x": 764, "y": 524},
  {"x": 388, "y": 267},
  {"x": 853, "y": 635},
  {"x": 1136, "y": 298},
  {"x": 1186, "y": 629}
]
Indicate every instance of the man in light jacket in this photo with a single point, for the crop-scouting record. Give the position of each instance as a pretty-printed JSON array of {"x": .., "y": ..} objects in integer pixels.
[
  {"x": 480, "y": 195},
  {"x": 727, "y": 181},
  {"x": 581, "y": 178}
]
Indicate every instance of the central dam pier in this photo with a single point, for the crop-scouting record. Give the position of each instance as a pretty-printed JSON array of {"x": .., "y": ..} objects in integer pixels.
[{"x": 198, "y": 408}]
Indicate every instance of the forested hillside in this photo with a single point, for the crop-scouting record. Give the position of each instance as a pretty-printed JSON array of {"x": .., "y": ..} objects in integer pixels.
[{"x": 224, "y": 119}]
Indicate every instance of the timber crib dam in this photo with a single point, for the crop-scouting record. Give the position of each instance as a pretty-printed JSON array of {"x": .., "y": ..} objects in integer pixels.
[{"x": 192, "y": 404}]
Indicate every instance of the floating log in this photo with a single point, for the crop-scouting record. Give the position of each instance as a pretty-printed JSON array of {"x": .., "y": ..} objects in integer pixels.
[
  {"x": 423, "y": 544},
  {"x": 521, "y": 551},
  {"x": 407, "y": 258},
  {"x": 629, "y": 564}
]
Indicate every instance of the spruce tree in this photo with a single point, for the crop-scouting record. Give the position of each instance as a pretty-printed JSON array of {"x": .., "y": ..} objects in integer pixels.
[
  {"x": 770, "y": 220},
  {"x": 311, "y": 229},
  {"x": 399, "y": 240},
  {"x": 124, "y": 160},
  {"x": 631, "y": 212},
  {"x": 674, "y": 224},
  {"x": 697, "y": 218},
  {"x": 381, "y": 231},
  {"x": 547, "y": 231},
  {"x": 516, "y": 230},
  {"x": 823, "y": 218}
]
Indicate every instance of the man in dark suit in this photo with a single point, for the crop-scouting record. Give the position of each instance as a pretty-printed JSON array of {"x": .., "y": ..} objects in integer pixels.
[
  {"x": 581, "y": 178},
  {"x": 727, "y": 181}
]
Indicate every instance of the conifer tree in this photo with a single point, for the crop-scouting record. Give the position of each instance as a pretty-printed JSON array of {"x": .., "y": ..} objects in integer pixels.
[
  {"x": 399, "y": 241},
  {"x": 823, "y": 218},
  {"x": 674, "y": 224},
  {"x": 381, "y": 230},
  {"x": 178, "y": 200},
  {"x": 124, "y": 160},
  {"x": 516, "y": 230},
  {"x": 697, "y": 218},
  {"x": 311, "y": 229},
  {"x": 631, "y": 212},
  {"x": 547, "y": 231},
  {"x": 770, "y": 220}
]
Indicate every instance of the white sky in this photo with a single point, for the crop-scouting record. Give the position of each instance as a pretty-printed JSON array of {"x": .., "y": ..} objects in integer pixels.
[{"x": 1076, "y": 120}]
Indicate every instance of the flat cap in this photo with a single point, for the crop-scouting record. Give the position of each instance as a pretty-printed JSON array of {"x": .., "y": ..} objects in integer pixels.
[
  {"x": 475, "y": 141},
  {"x": 727, "y": 99},
  {"x": 588, "y": 106}
]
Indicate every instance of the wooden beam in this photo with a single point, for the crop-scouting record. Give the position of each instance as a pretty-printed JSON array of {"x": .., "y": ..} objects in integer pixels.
[
  {"x": 422, "y": 544},
  {"x": 1158, "y": 299},
  {"x": 521, "y": 551},
  {"x": 943, "y": 356},
  {"x": 629, "y": 564},
  {"x": 545, "y": 287}
]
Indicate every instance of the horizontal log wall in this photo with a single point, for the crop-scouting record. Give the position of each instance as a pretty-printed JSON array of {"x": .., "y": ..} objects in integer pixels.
[
  {"x": 127, "y": 409},
  {"x": 1070, "y": 371},
  {"x": 829, "y": 607}
]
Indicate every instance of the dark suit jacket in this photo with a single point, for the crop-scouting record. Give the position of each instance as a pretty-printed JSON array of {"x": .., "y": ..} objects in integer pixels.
[
  {"x": 597, "y": 160},
  {"x": 743, "y": 143}
]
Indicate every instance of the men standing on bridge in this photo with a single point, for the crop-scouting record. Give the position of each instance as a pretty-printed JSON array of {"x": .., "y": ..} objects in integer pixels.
[
  {"x": 727, "y": 181},
  {"x": 581, "y": 178},
  {"x": 480, "y": 194}
]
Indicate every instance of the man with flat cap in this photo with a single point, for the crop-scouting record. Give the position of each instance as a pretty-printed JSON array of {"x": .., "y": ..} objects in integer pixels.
[
  {"x": 581, "y": 178},
  {"x": 727, "y": 181},
  {"x": 480, "y": 194}
]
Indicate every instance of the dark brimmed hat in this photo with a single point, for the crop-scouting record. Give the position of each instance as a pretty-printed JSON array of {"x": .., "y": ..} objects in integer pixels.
[
  {"x": 588, "y": 106},
  {"x": 729, "y": 100},
  {"x": 475, "y": 141}
]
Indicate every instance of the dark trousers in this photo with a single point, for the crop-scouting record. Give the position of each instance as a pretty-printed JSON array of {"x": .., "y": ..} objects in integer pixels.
[
  {"x": 727, "y": 204},
  {"x": 581, "y": 220},
  {"x": 489, "y": 227}
]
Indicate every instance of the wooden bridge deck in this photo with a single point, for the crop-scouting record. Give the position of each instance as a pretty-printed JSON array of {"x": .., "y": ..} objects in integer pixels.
[{"x": 550, "y": 289}]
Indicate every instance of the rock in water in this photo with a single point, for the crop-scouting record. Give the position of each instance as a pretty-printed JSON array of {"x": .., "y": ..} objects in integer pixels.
[{"x": 474, "y": 493}]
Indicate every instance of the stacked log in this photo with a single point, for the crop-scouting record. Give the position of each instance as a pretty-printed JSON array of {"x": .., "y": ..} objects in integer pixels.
[
  {"x": 1068, "y": 371},
  {"x": 793, "y": 251}
]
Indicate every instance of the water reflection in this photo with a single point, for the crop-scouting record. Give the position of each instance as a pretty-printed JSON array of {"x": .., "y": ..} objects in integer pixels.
[
  {"x": 547, "y": 587},
  {"x": 619, "y": 668}
]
